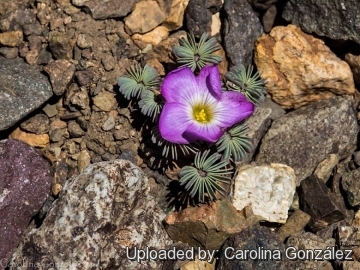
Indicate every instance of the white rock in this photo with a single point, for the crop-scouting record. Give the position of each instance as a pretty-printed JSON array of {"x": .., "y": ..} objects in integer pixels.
[{"x": 267, "y": 189}]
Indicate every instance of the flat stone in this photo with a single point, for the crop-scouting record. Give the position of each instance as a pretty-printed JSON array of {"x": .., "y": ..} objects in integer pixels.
[
  {"x": 154, "y": 37},
  {"x": 31, "y": 139},
  {"x": 294, "y": 225},
  {"x": 108, "y": 207},
  {"x": 325, "y": 168},
  {"x": 75, "y": 130},
  {"x": 174, "y": 20},
  {"x": 303, "y": 138},
  {"x": 105, "y": 101},
  {"x": 22, "y": 90},
  {"x": 50, "y": 110},
  {"x": 11, "y": 39},
  {"x": 351, "y": 185},
  {"x": 24, "y": 186},
  {"x": 144, "y": 18},
  {"x": 60, "y": 45},
  {"x": 317, "y": 201},
  {"x": 61, "y": 73},
  {"x": 241, "y": 28},
  {"x": 38, "y": 124},
  {"x": 207, "y": 225},
  {"x": 300, "y": 69},
  {"x": 331, "y": 18},
  {"x": 105, "y": 9},
  {"x": 268, "y": 190}
]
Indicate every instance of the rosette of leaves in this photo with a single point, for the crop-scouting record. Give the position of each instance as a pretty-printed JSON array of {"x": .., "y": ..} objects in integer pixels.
[
  {"x": 137, "y": 80},
  {"x": 151, "y": 103},
  {"x": 169, "y": 149},
  {"x": 245, "y": 81},
  {"x": 205, "y": 176},
  {"x": 197, "y": 55},
  {"x": 234, "y": 143}
]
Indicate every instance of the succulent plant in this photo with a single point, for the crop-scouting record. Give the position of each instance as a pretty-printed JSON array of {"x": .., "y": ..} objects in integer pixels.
[
  {"x": 234, "y": 143},
  {"x": 169, "y": 149},
  {"x": 151, "y": 104},
  {"x": 137, "y": 80},
  {"x": 243, "y": 80},
  {"x": 204, "y": 177},
  {"x": 197, "y": 55}
]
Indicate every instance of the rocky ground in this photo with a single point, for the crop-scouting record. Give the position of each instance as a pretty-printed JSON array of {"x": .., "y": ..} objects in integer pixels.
[{"x": 78, "y": 180}]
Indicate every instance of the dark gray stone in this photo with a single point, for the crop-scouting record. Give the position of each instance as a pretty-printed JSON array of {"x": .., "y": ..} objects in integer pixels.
[
  {"x": 258, "y": 238},
  {"x": 323, "y": 206},
  {"x": 24, "y": 186},
  {"x": 336, "y": 19},
  {"x": 305, "y": 137},
  {"x": 258, "y": 124},
  {"x": 22, "y": 90},
  {"x": 198, "y": 15},
  {"x": 23, "y": 20},
  {"x": 351, "y": 184},
  {"x": 241, "y": 28}
]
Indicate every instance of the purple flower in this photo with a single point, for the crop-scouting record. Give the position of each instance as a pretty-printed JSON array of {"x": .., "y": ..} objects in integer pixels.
[{"x": 196, "y": 108}]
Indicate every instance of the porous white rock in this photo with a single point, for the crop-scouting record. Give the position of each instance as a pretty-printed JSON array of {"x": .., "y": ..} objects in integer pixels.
[{"x": 267, "y": 189}]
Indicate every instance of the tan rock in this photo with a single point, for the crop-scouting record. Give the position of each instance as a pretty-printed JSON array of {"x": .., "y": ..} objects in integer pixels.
[
  {"x": 354, "y": 63},
  {"x": 176, "y": 15},
  {"x": 198, "y": 265},
  {"x": 163, "y": 51},
  {"x": 83, "y": 160},
  {"x": 299, "y": 69},
  {"x": 207, "y": 225},
  {"x": 144, "y": 18},
  {"x": 105, "y": 101},
  {"x": 30, "y": 138},
  {"x": 223, "y": 65},
  {"x": 324, "y": 169},
  {"x": 215, "y": 24},
  {"x": 157, "y": 65},
  {"x": 11, "y": 39},
  {"x": 154, "y": 37}
]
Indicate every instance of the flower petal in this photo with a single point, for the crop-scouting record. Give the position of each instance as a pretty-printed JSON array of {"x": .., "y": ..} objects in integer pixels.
[
  {"x": 209, "y": 77},
  {"x": 205, "y": 132},
  {"x": 174, "y": 120},
  {"x": 232, "y": 108},
  {"x": 179, "y": 85}
]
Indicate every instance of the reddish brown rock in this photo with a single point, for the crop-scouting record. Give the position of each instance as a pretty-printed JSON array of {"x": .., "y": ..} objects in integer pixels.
[
  {"x": 24, "y": 186},
  {"x": 208, "y": 225}
]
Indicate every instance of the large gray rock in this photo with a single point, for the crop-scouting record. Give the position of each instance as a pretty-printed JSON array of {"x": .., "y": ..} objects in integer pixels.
[
  {"x": 305, "y": 137},
  {"x": 336, "y": 19},
  {"x": 98, "y": 214},
  {"x": 22, "y": 89},
  {"x": 241, "y": 28},
  {"x": 24, "y": 185}
]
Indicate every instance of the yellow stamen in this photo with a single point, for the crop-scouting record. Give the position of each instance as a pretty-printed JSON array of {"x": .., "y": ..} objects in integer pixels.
[{"x": 202, "y": 114}]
